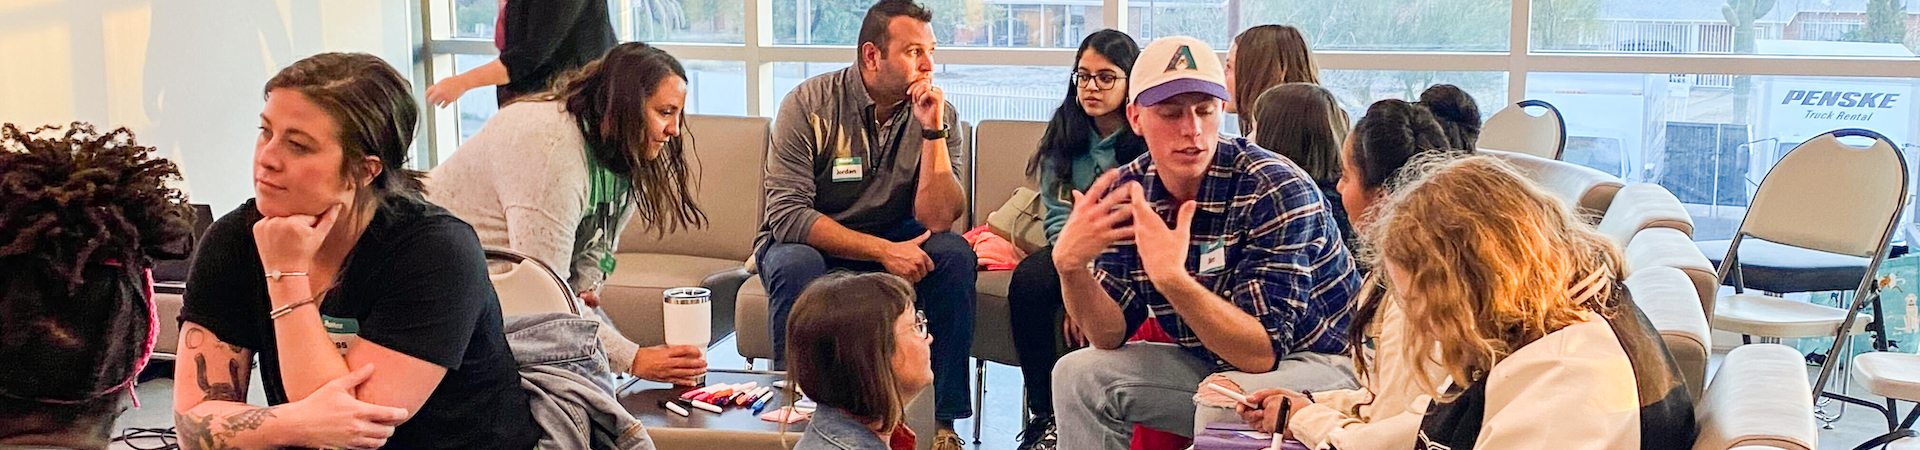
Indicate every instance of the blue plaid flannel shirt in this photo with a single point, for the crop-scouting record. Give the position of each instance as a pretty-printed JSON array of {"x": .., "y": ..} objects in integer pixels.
[{"x": 1286, "y": 263}]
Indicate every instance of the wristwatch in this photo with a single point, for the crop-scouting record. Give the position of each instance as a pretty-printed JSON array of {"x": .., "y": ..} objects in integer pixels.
[{"x": 932, "y": 135}]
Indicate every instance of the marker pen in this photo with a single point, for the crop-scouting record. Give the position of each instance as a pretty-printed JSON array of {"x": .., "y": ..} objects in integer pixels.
[
  {"x": 708, "y": 406},
  {"x": 670, "y": 406}
]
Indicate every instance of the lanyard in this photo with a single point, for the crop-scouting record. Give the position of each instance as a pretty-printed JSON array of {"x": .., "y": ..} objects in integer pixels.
[{"x": 608, "y": 197}]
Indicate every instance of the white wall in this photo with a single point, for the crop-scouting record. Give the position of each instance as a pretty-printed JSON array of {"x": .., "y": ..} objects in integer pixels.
[{"x": 184, "y": 75}]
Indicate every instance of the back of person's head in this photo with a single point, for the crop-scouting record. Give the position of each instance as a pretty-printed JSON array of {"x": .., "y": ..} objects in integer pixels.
[
  {"x": 1490, "y": 262},
  {"x": 841, "y": 344},
  {"x": 1069, "y": 131},
  {"x": 374, "y": 109},
  {"x": 1302, "y": 122},
  {"x": 873, "y": 29},
  {"x": 1458, "y": 115},
  {"x": 1266, "y": 56},
  {"x": 81, "y": 216},
  {"x": 1392, "y": 133}
]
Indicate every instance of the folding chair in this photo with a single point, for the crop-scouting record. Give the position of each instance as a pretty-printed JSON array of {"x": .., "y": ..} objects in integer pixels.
[
  {"x": 527, "y": 286},
  {"x": 1515, "y": 130},
  {"x": 1821, "y": 220}
]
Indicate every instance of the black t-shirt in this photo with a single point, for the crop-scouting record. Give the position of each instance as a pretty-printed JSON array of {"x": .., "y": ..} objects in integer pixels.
[
  {"x": 416, "y": 283},
  {"x": 547, "y": 38}
]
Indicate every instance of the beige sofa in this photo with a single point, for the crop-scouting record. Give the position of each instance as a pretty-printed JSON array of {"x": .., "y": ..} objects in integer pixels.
[
  {"x": 726, "y": 155},
  {"x": 1590, "y": 190}
]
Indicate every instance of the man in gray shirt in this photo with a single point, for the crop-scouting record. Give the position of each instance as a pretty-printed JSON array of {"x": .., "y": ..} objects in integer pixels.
[{"x": 862, "y": 177}]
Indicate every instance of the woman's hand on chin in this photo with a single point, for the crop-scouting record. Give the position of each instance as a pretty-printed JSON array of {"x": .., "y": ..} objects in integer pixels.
[{"x": 289, "y": 243}]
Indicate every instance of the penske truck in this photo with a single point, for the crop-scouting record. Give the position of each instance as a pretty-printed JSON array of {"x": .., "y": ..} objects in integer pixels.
[{"x": 1631, "y": 125}]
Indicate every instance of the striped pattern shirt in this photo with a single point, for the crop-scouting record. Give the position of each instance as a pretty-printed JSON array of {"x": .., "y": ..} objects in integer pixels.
[{"x": 1286, "y": 263}]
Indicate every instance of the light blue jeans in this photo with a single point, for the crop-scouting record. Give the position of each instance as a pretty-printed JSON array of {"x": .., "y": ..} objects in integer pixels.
[{"x": 1098, "y": 395}]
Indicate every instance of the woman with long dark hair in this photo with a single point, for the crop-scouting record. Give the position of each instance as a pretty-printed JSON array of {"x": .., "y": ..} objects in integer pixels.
[
  {"x": 370, "y": 309},
  {"x": 558, "y": 175},
  {"x": 1087, "y": 136}
]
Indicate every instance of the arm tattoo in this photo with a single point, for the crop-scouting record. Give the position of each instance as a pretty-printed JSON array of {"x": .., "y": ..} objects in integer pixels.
[
  {"x": 248, "y": 420},
  {"x": 229, "y": 391},
  {"x": 196, "y": 433}
]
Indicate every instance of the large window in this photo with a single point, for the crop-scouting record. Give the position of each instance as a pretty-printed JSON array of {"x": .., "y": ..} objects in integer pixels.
[
  {"x": 1450, "y": 25},
  {"x": 1357, "y": 89},
  {"x": 1788, "y": 27},
  {"x": 1700, "y": 96},
  {"x": 707, "y": 21},
  {"x": 978, "y": 23},
  {"x": 1711, "y": 146},
  {"x": 977, "y": 92}
]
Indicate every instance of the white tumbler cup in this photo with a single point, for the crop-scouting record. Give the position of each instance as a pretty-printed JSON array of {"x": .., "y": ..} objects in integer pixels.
[{"x": 689, "y": 317}]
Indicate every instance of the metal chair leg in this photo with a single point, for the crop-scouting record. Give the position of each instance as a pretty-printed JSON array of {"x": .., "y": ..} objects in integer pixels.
[
  {"x": 1841, "y": 336},
  {"x": 979, "y": 391}
]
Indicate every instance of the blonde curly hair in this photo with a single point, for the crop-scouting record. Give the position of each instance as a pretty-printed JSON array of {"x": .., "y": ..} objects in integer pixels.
[{"x": 1490, "y": 262}]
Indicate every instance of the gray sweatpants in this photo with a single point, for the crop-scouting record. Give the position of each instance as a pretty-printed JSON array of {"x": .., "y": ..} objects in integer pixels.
[{"x": 1098, "y": 395}]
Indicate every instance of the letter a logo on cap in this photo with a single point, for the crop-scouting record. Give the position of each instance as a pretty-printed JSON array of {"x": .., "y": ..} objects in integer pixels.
[{"x": 1182, "y": 59}]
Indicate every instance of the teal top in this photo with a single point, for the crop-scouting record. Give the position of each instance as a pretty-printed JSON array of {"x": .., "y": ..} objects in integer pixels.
[{"x": 1086, "y": 167}]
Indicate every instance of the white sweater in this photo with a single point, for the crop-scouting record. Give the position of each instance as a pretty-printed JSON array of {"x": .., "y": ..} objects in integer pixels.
[
  {"x": 1572, "y": 389},
  {"x": 522, "y": 183},
  {"x": 1373, "y": 416}
]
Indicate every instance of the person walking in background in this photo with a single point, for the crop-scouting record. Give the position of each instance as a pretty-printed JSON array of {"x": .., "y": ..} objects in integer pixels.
[{"x": 538, "y": 41}]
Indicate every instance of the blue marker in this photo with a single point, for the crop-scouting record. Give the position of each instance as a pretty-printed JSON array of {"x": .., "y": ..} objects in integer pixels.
[{"x": 761, "y": 403}]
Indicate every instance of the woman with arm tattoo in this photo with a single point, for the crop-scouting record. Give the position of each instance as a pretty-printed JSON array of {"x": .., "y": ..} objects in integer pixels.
[{"x": 369, "y": 309}]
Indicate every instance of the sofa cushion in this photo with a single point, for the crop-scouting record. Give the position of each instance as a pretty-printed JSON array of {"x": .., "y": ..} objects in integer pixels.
[
  {"x": 1667, "y": 297},
  {"x": 1001, "y": 151},
  {"x": 166, "y": 307},
  {"x": 1640, "y": 206},
  {"x": 750, "y": 320},
  {"x": 634, "y": 293},
  {"x": 726, "y": 161},
  {"x": 1667, "y": 247},
  {"x": 992, "y": 328},
  {"x": 1589, "y": 190},
  {"x": 1760, "y": 396}
]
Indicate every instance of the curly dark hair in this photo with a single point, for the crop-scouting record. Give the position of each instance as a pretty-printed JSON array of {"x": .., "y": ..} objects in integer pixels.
[{"x": 81, "y": 214}]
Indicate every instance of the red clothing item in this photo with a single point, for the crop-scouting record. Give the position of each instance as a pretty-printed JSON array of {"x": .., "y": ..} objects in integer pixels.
[
  {"x": 902, "y": 438},
  {"x": 1147, "y": 438}
]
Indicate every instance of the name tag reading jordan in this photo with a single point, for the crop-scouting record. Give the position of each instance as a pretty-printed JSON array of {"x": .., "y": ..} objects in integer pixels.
[{"x": 846, "y": 169}]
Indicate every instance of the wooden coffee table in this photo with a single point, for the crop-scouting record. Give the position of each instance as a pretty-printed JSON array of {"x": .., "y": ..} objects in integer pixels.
[{"x": 737, "y": 427}]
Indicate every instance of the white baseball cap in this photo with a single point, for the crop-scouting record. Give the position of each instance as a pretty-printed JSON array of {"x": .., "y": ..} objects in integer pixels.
[{"x": 1176, "y": 65}]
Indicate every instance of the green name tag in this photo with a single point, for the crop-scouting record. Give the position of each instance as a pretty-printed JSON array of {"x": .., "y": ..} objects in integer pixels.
[
  {"x": 1213, "y": 256},
  {"x": 342, "y": 331},
  {"x": 336, "y": 325},
  {"x": 847, "y": 169}
]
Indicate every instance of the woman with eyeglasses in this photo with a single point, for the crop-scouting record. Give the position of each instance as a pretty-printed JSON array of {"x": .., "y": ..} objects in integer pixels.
[
  {"x": 1087, "y": 136},
  {"x": 858, "y": 347}
]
